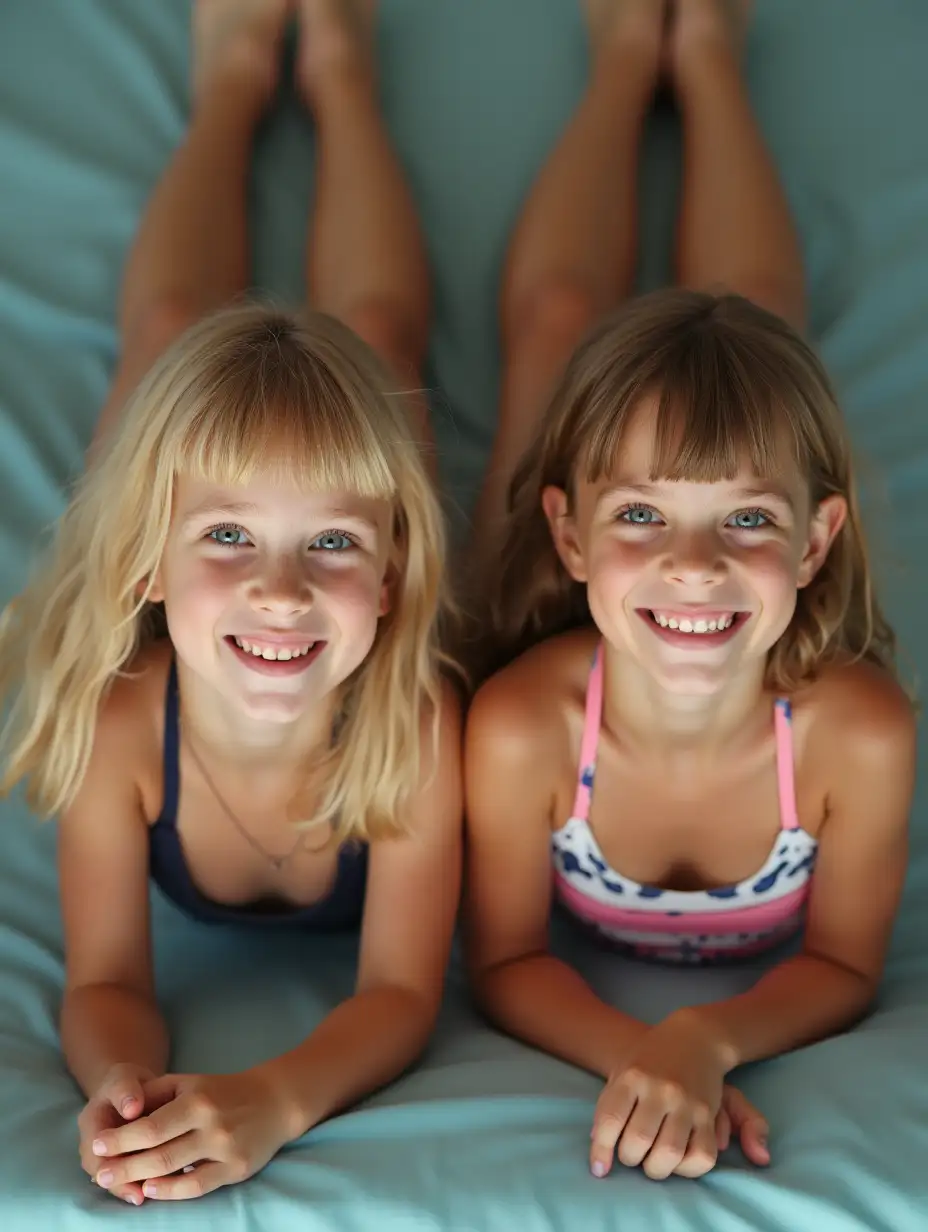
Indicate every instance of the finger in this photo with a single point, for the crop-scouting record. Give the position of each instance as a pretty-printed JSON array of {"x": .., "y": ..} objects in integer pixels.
[
  {"x": 170, "y": 1121},
  {"x": 669, "y": 1147},
  {"x": 193, "y": 1183},
  {"x": 641, "y": 1131},
  {"x": 126, "y": 1096},
  {"x": 754, "y": 1137},
  {"x": 127, "y": 1193},
  {"x": 750, "y": 1126},
  {"x": 608, "y": 1122},
  {"x": 160, "y": 1091},
  {"x": 722, "y": 1130},
  {"x": 159, "y": 1162},
  {"x": 701, "y": 1152}
]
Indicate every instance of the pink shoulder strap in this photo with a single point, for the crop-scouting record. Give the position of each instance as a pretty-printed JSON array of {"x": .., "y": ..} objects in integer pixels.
[
  {"x": 590, "y": 740},
  {"x": 786, "y": 781}
]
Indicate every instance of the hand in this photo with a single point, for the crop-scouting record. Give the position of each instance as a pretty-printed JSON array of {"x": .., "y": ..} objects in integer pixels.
[
  {"x": 212, "y": 1130},
  {"x": 659, "y": 1108},
  {"x": 750, "y": 1126},
  {"x": 119, "y": 1098}
]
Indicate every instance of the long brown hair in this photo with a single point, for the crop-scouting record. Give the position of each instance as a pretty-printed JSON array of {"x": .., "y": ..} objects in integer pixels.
[{"x": 733, "y": 382}]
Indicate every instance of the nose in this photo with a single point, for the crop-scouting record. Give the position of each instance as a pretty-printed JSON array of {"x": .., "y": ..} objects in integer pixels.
[
  {"x": 695, "y": 559},
  {"x": 281, "y": 586}
]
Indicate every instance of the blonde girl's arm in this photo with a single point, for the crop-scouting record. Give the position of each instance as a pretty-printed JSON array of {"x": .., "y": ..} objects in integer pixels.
[
  {"x": 109, "y": 1016},
  {"x": 866, "y": 739},
  {"x": 413, "y": 892},
  {"x": 510, "y": 749}
]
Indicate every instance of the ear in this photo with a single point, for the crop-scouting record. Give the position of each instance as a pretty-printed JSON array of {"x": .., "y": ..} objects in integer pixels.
[
  {"x": 386, "y": 598},
  {"x": 388, "y": 586},
  {"x": 155, "y": 590},
  {"x": 827, "y": 521},
  {"x": 564, "y": 532}
]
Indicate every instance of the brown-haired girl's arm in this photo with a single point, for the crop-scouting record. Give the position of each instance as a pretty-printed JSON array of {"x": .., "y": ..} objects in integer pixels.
[
  {"x": 226, "y": 1127},
  {"x": 510, "y": 750},
  {"x": 511, "y": 747},
  {"x": 112, "y": 1033},
  {"x": 864, "y": 736}
]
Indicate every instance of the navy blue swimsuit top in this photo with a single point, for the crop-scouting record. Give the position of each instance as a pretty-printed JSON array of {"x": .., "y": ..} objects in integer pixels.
[{"x": 341, "y": 908}]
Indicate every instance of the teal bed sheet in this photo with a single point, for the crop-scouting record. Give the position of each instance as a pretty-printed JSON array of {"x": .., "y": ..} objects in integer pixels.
[{"x": 485, "y": 1133}]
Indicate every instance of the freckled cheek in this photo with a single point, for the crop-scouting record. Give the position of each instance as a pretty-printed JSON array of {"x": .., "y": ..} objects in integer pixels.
[
  {"x": 355, "y": 592},
  {"x": 615, "y": 566}
]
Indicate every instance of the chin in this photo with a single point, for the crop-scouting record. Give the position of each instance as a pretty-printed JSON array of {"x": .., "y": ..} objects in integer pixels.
[{"x": 278, "y": 710}]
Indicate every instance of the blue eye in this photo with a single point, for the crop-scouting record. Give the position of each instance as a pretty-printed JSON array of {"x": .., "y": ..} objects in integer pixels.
[
  {"x": 749, "y": 519},
  {"x": 640, "y": 515},
  {"x": 229, "y": 536},
  {"x": 333, "y": 541}
]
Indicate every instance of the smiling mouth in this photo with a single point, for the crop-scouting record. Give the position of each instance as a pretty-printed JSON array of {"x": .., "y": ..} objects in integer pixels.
[
  {"x": 273, "y": 654},
  {"x": 709, "y": 624}
]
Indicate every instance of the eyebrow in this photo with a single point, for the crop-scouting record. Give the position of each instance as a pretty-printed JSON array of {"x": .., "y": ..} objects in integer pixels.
[
  {"x": 211, "y": 509},
  {"x": 767, "y": 492},
  {"x": 238, "y": 509}
]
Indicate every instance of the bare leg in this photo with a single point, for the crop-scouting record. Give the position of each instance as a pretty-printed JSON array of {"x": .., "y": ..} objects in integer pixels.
[
  {"x": 735, "y": 230},
  {"x": 366, "y": 256},
  {"x": 572, "y": 256},
  {"x": 191, "y": 253}
]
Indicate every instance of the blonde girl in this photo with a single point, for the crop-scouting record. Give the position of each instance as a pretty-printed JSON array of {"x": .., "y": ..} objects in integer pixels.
[
  {"x": 226, "y": 678},
  {"x": 705, "y": 752}
]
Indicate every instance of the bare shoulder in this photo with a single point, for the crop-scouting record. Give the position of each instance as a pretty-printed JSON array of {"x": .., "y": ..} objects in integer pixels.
[
  {"x": 524, "y": 709},
  {"x": 129, "y": 731},
  {"x": 858, "y": 713}
]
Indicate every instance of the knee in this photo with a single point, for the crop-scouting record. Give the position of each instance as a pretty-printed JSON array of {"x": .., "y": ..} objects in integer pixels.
[
  {"x": 396, "y": 339},
  {"x": 552, "y": 319}
]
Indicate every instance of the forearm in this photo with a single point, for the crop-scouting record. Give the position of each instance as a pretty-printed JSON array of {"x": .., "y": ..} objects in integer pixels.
[
  {"x": 800, "y": 1001},
  {"x": 103, "y": 1025},
  {"x": 546, "y": 1003},
  {"x": 365, "y": 1042}
]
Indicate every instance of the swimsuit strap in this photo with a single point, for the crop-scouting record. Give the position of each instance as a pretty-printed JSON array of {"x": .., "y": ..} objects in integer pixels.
[
  {"x": 171, "y": 775},
  {"x": 590, "y": 740},
  {"x": 786, "y": 779},
  {"x": 783, "y": 731}
]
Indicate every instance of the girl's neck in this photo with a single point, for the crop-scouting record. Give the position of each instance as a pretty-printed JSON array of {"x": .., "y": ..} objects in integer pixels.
[
  {"x": 695, "y": 725},
  {"x": 232, "y": 737}
]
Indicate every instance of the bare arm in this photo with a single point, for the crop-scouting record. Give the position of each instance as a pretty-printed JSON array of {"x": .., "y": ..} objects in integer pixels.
[
  {"x": 412, "y": 899},
  {"x": 520, "y": 986},
  {"x": 856, "y": 890},
  {"x": 109, "y": 1015}
]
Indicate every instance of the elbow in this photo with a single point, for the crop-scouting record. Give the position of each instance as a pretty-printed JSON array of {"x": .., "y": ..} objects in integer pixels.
[
  {"x": 492, "y": 983},
  {"x": 861, "y": 984}
]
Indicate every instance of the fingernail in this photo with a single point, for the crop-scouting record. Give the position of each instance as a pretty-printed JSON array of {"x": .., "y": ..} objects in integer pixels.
[
  {"x": 189, "y": 1168},
  {"x": 105, "y": 1178},
  {"x": 598, "y": 1168},
  {"x": 99, "y": 1147},
  {"x": 133, "y": 1199},
  {"x": 149, "y": 1189},
  {"x": 127, "y": 1105},
  {"x": 763, "y": 1143}
]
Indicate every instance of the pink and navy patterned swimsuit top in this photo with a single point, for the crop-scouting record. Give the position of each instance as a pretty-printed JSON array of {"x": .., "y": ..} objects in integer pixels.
[{"x": 683, "y": 926}]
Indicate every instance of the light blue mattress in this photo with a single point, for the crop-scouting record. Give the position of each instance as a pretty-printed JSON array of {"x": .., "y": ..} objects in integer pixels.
[{"x": 485, "y": 1134}]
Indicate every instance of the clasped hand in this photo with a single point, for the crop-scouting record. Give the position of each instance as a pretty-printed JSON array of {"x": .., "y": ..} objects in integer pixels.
[
  {"x": 667, "y": 1107},
  {"x": 190, "y": 1133}
]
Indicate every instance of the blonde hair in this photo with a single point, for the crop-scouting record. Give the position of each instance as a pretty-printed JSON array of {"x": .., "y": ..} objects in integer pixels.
[
  {"x": 733, "y": 382},
  {"x": 244, "y": 389}
]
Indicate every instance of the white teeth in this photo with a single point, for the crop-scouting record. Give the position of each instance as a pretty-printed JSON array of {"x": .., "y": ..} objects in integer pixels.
[
  {"x": 686, "y": 625},
  {"x": 274, "y": 655}
]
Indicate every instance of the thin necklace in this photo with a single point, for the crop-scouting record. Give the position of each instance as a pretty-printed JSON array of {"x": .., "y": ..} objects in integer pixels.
[{"x": 277, "y": 863}]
